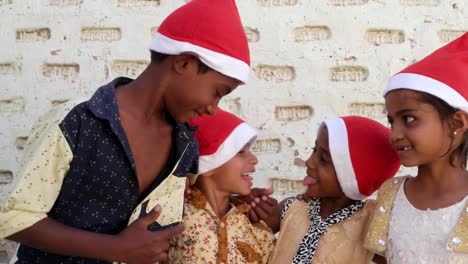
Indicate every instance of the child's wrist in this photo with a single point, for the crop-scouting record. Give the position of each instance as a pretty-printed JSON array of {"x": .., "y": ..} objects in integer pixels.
[{"x": 114, "y": 249}]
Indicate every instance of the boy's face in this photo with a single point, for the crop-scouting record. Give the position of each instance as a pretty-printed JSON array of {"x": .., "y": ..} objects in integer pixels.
[
  {"x": 233, "y": 177},
  {"x": 193, "y": 93},
  {"x": 321, "y": 179}
]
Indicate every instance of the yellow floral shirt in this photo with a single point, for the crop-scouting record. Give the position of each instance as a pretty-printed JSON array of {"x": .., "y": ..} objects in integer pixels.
[{"x": 231, "y": 239}]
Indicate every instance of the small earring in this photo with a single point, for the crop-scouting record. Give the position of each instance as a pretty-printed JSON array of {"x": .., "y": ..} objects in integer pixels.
[{"x": 455, "y": 132}]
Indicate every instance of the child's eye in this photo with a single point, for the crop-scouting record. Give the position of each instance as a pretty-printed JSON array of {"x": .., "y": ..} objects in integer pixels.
[
  {"x": 390, "y": 123},
  {"x": 323, "y": 159},
  {"x": 218, "y": 94},
  {"x": 408, "y": 119},
  {"x": 314, "y": 149}
]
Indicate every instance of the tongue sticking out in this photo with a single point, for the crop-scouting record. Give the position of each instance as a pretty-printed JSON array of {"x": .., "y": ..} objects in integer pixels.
[{"x": 309, "y": 181}]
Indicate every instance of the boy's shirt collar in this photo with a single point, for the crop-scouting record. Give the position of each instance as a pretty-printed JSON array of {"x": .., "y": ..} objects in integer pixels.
[
  {"x": 103, "y": 104},
  {"x": 200, "y": 202}
]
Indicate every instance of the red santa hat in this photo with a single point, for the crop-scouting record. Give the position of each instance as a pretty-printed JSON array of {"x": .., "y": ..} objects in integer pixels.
[
  {"x": 362, "y": 154},
  {"x": 212, "y": 30},
  {"x": 220, "y": 137},
  {"x": 444, "y": 74}
]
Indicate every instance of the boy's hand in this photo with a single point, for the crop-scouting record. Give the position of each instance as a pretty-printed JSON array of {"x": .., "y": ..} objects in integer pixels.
[
  {"x": 139, "y": 245},
  {"x": 261, "y": 202}
]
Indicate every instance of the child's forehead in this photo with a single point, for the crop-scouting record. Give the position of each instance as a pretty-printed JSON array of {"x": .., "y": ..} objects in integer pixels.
[
  {"x": 322, "y": 136},
  {"x": 406, "y": 94},
  {"x": 404, "y": 97}
]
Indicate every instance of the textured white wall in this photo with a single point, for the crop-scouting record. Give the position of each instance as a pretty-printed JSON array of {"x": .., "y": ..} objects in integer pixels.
[{"x": 311, "y": 59}]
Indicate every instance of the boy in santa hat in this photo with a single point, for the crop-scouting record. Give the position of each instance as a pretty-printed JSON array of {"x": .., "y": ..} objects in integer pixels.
[
  {"x": 352, "y": 157},
  {"x": 218, "y": 229},
  {"x": 98, "y": 176}
]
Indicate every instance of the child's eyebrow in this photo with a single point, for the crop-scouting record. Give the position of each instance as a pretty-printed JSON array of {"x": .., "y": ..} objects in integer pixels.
[
  {"x": 402, "y": 112},
  {"x": 324, "y": 150}
]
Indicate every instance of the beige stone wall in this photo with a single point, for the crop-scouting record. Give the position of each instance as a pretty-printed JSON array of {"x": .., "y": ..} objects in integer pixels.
[{"x": 311, "y": 59}]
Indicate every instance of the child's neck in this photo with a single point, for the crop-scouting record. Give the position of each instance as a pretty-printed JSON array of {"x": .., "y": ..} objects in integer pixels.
[
  {"x": 328, "y": 206},
  {"x": 219, "y": 201},
  {"x": 437, "y": 185},
  {"x": 440, "y": 177},
  {"x": 143, "y": 97}
]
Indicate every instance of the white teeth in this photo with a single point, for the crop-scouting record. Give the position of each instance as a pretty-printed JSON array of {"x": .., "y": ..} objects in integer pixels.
[{"x": 406, "y": 148}]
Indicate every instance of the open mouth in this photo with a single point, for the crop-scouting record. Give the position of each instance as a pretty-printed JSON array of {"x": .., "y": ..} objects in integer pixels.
[
  {"x": 246, "y": 176},
  {"x": 403, "y": 148}
]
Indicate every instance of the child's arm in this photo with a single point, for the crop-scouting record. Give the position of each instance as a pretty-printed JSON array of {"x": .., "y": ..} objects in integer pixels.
[
  {"x": 274, "y": 219},
  {"x": 135, "y": 244}
]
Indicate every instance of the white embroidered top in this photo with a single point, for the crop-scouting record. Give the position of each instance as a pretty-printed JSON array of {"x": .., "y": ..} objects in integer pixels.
[{"x": 421, "y": 236}]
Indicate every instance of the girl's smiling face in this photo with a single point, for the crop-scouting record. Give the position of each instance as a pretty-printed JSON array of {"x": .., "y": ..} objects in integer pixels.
[{"x": 418, "y": 134}]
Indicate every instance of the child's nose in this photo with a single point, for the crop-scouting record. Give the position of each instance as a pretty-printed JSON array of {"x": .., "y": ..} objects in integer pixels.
[
  {"x": 309, "y": 162},
  {"x": 254, "y": 159},
  {"x": 396, "y": 134}
]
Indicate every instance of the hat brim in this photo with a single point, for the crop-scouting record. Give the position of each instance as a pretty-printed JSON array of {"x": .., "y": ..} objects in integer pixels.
[
  {"x": 222, "y": 63},
  {"x": 422, "y": 83}
]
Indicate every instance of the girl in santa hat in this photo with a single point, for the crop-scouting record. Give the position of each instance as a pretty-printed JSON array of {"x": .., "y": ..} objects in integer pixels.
[
  {"x": 424, "y": 219},
  {"x": 352, "y": 157},
  {"x": 218, "y": 229}
]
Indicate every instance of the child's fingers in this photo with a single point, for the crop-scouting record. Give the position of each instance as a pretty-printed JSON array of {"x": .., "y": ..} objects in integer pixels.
[
  {"x": 270, "y": 200},
  {"x": 304, "y": 197},
  {"x": 151, "y": 217},
  {"x": 253, "y": 216},
  {"x": 172, "y": 232},
  {"x": 260, "y": 212},
  {"x": 259, "y": 192},
  {"x": 266, "y": 207}
]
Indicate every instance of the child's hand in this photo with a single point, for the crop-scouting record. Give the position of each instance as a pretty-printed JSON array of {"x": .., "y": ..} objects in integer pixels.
[
  {"x": 261, "y": 202},
  {"x": 139, "y": 245},
  {"x": 304, "y": 197}
]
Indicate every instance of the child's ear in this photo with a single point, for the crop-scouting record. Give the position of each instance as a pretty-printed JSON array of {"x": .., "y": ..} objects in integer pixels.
[
  {"x": 183, "y": 62},
  {"x": 459, "y": 122}
]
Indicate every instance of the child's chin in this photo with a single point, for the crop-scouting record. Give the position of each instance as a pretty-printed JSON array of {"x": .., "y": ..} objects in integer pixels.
[
  {"x": 244, "y": 192},
  {"x": 312, "y": 194}
]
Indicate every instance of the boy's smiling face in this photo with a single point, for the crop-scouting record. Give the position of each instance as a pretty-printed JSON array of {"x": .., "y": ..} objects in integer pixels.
[
  {"x": 193, "y": 92},
  {"x": 321, "y": 179},
  {"x": 233, "y": 177}
]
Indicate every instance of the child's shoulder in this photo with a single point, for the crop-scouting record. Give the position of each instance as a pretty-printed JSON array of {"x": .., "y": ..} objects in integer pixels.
[{"x": 391, "y": 186}]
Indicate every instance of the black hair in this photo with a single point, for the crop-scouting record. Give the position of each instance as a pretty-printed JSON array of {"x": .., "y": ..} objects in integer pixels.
[
  {"x": 157, "y": 57},
  {"x": 446, "y": 111}
]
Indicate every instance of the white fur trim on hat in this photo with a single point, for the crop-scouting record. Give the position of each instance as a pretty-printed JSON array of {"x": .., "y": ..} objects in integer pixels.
[
  {"x": 238, "y": 138},
  {"x": 341, "y": 157},
  {"x": 429, "y": 85},
  {"x": 222, "y": 63}
]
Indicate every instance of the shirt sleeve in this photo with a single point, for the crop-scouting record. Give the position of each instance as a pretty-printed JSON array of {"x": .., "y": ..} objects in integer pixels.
[{"x": 45, "y": 161}]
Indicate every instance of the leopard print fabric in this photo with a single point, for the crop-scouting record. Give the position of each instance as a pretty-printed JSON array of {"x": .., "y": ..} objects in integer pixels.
[{"x": 306, "y": 251}]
